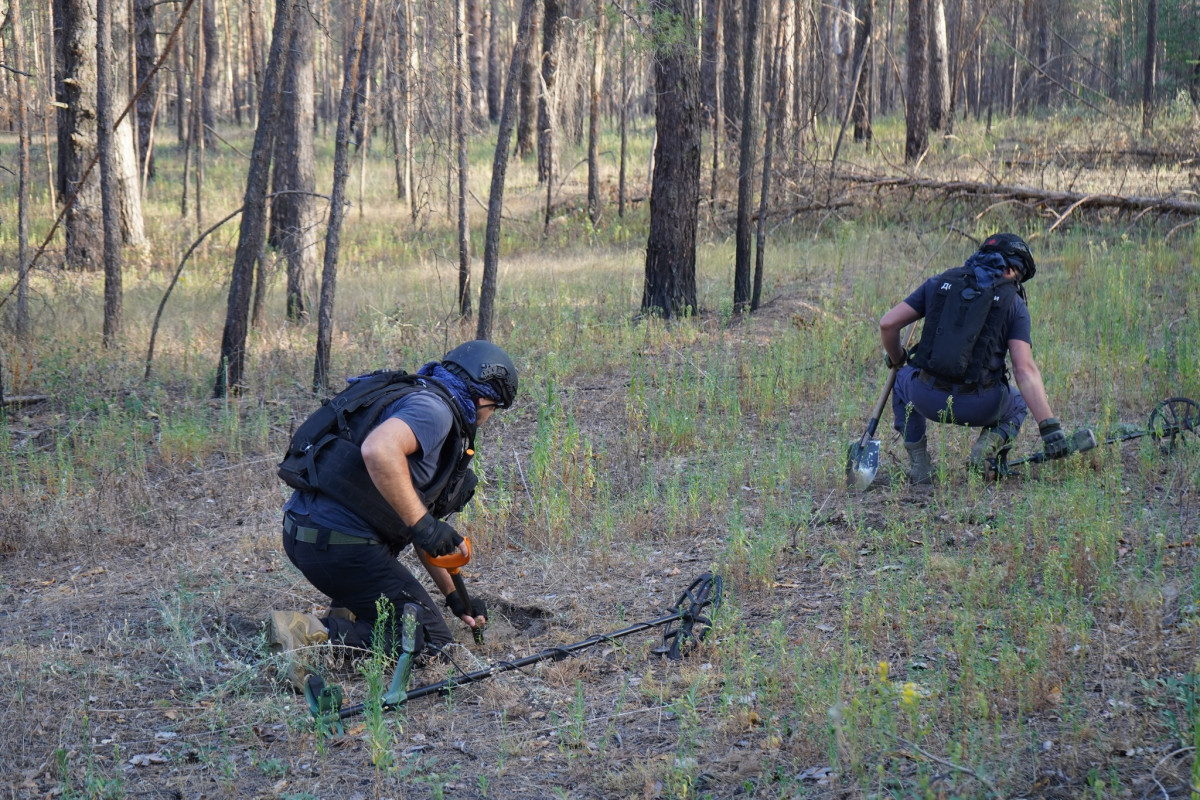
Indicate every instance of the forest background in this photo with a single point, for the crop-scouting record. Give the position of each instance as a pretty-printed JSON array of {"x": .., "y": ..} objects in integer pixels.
[{"x": 683, "y": 220}]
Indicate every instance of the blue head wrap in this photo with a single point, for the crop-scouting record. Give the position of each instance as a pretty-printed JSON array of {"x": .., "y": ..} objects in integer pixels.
[
  {"x": 989, "y": 267},
  {"x": 461, "y": 388}
]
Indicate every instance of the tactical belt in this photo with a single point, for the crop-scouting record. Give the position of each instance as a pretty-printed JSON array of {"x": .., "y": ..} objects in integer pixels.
[
  {"x": 321, "y": 536},
  {"x": 940, "y": 385}
]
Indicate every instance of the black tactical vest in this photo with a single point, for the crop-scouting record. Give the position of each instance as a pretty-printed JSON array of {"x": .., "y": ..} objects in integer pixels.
[
  {"x": 964, "y": 325},
  {"x": 325, "y": 456}
]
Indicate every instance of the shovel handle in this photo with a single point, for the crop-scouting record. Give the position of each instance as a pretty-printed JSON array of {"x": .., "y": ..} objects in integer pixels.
[{"x": 879, "y": 404}]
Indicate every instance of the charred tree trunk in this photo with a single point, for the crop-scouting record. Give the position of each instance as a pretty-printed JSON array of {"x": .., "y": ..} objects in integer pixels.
[
  {"x": 939, "y": 68},
  {"x": 1149, "y": 66},
  {"x": 75, "y": 49},
  {"x": 491, "y": 241},
  {"x": 709, "y": 47},
  {"x": 731, "y": 96},
  {"x": 670, "y": 286},
  {"x": 527, "y": 108},
  {"x": 916, "y": 97},
  {"x": 360, "y": 109},
  {"x": 551, "y": 28},
  {"x": 147, "y": 103},
  {"x": 747, "y": 158},
  {"x": 232, "y": 364},
  {"x": 293, "y": 212},
  {"x": 462, "y": 113},
  {"x": 863, "y": 56},
  {"x": 776, "y": 103},
  {"x": 494, "y": 98},
  {"x": 108, "y": 174},
  {"x": 337, "y": 206}
]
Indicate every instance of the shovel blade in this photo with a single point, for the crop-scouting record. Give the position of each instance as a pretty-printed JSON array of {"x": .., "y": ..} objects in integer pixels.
[{"x": 862, "y": 462}]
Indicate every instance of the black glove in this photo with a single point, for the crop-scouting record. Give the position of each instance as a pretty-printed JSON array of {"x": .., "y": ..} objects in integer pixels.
[
  {"x": 435, "y": 537},
  {"x": 1054, "y": 441},
  {"x": 887, "y": 360},
  {"x": 457, "y": 606}
]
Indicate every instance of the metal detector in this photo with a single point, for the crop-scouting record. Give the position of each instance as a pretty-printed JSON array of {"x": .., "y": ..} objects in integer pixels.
[{"x": 686, "y": 625}]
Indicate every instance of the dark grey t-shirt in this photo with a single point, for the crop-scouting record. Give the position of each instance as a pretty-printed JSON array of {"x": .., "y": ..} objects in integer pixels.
[{"x": 430, "y": 420}]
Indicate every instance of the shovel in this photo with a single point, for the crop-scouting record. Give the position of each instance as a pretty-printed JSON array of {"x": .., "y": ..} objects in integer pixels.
[{"x": 862, "y": 458}]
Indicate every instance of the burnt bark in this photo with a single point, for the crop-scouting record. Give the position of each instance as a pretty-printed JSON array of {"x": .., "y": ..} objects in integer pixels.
[
  {"x": 147, "y": 104},
  {"x": 863, "y": 56},
  {"x": 337, "y": 206},
  {"x": 491, "y": 241},
  {"x": 528, "y": 105},
  {"x": 232, "y": 364},
  {"x": 670, "y": 285},
  {"x": 1149, "y": 65},
  {"x": 476, "y": 53},
  {"x": 494, "y": 97},
  {"x": 293, "y": 210},
  {"x": 731, "y": 96},
  {"x": 747, "y": 158},
  {"x": 916, "y": 96},
  {"x": 551, "y": 28},
  {"x": 462, "y": 113},
  {"x": 22, "y": 310},
  {"x": 593, "y": 152}
]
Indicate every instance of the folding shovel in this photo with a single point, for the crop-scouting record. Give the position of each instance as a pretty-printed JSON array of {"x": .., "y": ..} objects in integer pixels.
[{"x": 862, "y": 457}]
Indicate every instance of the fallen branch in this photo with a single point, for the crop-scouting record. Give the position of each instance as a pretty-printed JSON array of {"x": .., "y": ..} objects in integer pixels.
[{"x": 1043, "y": 197}]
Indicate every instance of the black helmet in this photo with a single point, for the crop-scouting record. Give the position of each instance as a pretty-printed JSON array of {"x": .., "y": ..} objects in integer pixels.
[
  {"x": 1014, "y": 250},
  {"x": 483, "y": 362}
]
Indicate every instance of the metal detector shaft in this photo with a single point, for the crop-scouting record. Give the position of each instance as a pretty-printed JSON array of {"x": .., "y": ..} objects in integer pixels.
[
  {"x": 704, "y": 591},
  {"x": 555, "y": 653}
]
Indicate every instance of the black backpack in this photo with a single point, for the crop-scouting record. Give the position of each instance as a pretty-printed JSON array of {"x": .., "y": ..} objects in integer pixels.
[
  {"x": 963, "y": 325},
  {"x": 324, "y": 455}
]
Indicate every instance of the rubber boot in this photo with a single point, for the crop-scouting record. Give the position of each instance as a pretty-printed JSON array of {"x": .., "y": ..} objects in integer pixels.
[
  {"x": 988, "y": 447},
  {"x": 920, "y": 470},
  {"x": 289, "y": 633}
]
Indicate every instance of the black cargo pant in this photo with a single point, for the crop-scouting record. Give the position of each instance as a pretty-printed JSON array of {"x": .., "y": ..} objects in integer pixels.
[{"x": 355, "y": 576}]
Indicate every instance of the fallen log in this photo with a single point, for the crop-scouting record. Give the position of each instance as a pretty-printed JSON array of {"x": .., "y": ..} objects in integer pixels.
[{"x": 1029, "y": 194}]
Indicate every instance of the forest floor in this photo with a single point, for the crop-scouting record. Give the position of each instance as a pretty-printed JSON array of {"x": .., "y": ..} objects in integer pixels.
[{"x": 1032, "y": 637}]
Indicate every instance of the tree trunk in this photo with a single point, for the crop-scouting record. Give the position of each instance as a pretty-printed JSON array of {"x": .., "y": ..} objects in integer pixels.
[
  {"x": 293, "y": 210},
  {"x": 360, "y": 109},
  {"x": 864, "y": 55},
  {"x": 597, "y": 79},
  {"x": 337, "y": 206},
  {"x": 22, "y": 311},
  {"x": 916, "y": 97},
  {"x": 939, "y": 67},
  {"x": 110, "y": 213},
  {"x": 551, "y": 28},
  {"x": 212, "y": 66},
  {"x": 777, "y": 102},
  {"x": 75, "y": 50},
  {"x": 494, "y": 98},
  {"x": 731, "y": 96},
  {"x": 232, "y": 364},
  {"x": 491, "y": 241},
  {"x": 147, "y": 104},
  {"x": 747, "y": 158},
  {"x": 623, "y": 123},
  {"x": 528, "y": 106},
  {"x": 125, "y": 158},
  {"x": 475, "y": 57},
  {"x": 709, "y": 47},
  {"x": 462, "y": 113},
  {"x": 670, "y": 286},
  {"x": 1149, "y": 65},
  {"x": 1041, "y": 20}
]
